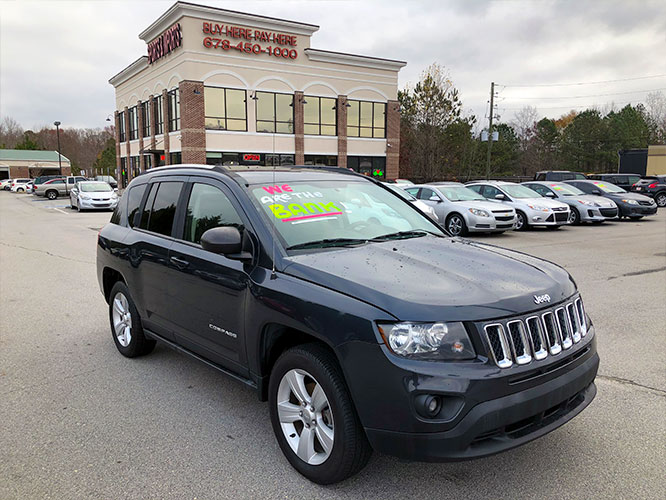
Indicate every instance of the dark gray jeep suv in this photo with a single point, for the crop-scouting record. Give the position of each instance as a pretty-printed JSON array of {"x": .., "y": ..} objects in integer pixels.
[{"x": 356, "y": 317}]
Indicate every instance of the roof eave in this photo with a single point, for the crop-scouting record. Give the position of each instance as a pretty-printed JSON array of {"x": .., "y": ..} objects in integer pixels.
[
  {"x": 136, "y": 67},
  {"x": 354, "y": 60}
]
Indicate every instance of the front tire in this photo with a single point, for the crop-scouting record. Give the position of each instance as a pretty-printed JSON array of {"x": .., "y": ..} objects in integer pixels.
[
  {"x": 521, "y": 221},
  {"x": 126, "y": 324},
  {"x": 574, "y": 217},
  {"x": 455, "y": 225},
  {"x": 313, "y": 417}
]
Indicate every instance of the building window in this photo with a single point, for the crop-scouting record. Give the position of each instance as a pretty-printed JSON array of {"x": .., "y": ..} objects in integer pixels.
[
  {"x": 148, "y": 161},
  {"x": 175, "y": 158},
  {"x": 225, "y": 109},
  {"x": 366, "y": 119},
  {"x": 174, "y": 110},
  {"x": 159, "y": 115},
  {"x": 145, "y": 116},
  {"x": 275, "y": 112},
  {"x": 133, "y": 123},
  {"x": 324, "y": 160},
  {"x": 372, "y": 166},
  {"x": 320, "y": 115},
  {"x": 218, "y": 158},
  {"x": 121, "y": 126}
]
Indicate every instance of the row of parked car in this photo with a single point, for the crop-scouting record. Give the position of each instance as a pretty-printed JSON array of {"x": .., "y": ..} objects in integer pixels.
[
  {"x": 83, "y": 193},
  {"x": 498, "y": 206}
]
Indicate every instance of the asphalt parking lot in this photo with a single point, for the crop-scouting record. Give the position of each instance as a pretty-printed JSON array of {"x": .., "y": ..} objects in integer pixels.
[{"x": 81, "y": 421}]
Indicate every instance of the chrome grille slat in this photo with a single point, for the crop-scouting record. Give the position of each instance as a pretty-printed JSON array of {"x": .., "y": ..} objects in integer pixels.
[
  {"x": 499, "y": 345},
  {"x": 565, "y": 329},
  {"x": 573, "y": 322},
  {"x": 539, "y": 346},
  {"x": 519, "y": 343},
  {"x": 552, "y": 333},
  {"x": 580, "y": 312}
]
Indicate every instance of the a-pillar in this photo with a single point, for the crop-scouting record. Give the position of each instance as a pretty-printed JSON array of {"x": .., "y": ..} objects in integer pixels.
[{"x": 192, "y": 122}]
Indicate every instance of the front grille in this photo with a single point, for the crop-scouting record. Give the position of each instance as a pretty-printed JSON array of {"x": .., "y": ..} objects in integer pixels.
[
  {"x": 501, "y": 211},
  {"x": 504, "y": 217},
  {"x": 645, "y": 203},
  {"x": 608, "y": 212},
  {"x": 504, "y": 226},
  {"x": 560, "y": 217},
  {"x": 559, "y": 209},
  {"x": 522, "y": 340}
]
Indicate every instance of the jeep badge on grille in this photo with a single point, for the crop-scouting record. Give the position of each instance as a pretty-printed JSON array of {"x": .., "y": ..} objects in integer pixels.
[{"x": 539, "y": 299}]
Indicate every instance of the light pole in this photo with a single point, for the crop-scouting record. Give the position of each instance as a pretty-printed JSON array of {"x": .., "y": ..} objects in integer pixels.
[{"x": 57, "y": 124}]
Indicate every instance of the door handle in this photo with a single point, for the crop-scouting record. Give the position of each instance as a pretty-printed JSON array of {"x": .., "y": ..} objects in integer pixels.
[{"x": 179, "y": 263}]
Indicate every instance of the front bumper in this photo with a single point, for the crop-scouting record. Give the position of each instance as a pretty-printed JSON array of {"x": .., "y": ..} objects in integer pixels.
[
  {"x": 98, "y": 204},
  {"x": 550, "y": 218},
  {"x": 476, "y": 224},
  {"x": 637, "y": 210},
  {"x": 596, "y": 214}
]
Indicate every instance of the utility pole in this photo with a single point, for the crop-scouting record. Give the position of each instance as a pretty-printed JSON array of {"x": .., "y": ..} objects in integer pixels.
[
  {"x": 490, "y": 128},
  {"x": 57, "y": 124}
]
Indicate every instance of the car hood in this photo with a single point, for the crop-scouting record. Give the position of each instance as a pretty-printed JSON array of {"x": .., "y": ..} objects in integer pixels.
[
  {"x": 435, "y": 279},
  {"x": 627, "y": 196},
  {"x": 483, "y": 205},
  {"x": 99, "y": 195},
  {"x": 599, "y": 200}
]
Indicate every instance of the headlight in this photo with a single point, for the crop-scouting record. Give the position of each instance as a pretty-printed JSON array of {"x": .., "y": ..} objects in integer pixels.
[
  {"x": 480, "y": 213},
  {"x": 631, "y": 202},
  {"x": 588, "y": 203},
  {"x": 431, "y": 341},
  {"x": 85, "y": 197},
  {"x": 539, "y": 208}
]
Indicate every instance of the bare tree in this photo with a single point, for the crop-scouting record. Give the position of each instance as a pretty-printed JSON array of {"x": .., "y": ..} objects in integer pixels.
[{"x": 11, "y": 132}]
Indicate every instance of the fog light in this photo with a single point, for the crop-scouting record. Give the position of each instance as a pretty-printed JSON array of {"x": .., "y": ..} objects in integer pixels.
[{"x": 428, "y": 405}]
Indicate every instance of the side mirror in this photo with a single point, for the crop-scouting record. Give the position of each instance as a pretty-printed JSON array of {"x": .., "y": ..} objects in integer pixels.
[
  {"x": 499, "y": 196},
  {"x": 434, "y": 197},
  {"x": 225, "y": 240},
  {"x": 550, "y": 194},
  {"x": 115, "y": 189}
]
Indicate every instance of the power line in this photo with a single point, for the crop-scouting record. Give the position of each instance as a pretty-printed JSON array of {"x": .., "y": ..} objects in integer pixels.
[
  {"x": 573, "y": 107},
  {"x": 585, "y": 83},
  {"x": 583, "y": 96}
]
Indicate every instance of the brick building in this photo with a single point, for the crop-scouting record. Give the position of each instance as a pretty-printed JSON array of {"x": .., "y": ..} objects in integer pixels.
[
  {"x": 28, "y": 164},
  {"x": 219, "y": 86}
]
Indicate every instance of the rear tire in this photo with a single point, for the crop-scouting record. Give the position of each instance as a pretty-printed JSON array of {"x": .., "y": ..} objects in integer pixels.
[
  {"x": 126, "y": 324},
  {"x": 52, "y": 195},
  {"x": 307, "y": 379},
  {"x": 660, "y": 199}
]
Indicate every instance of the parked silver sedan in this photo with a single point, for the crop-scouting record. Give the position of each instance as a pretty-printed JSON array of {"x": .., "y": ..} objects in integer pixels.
[
  {"x": 584, "y": 207},
  {"x": 460, "y": 210},
  {"x": 93, "y": 195},
  {"x": 423, "y": 207}
]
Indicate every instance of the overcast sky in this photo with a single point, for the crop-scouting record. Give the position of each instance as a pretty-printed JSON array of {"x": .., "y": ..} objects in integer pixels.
[{"x": 56, "y": 57}]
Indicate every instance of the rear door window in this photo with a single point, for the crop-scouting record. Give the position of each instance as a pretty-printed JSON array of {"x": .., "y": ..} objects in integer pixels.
[
  {"x": 477, "y": 188},
  {"x": 160, "y": 208}
]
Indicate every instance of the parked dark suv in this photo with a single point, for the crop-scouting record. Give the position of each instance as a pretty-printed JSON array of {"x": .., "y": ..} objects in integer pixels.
[
  {"x": 557, "y": 175},
  {"x": 360, "y": 321},
  {"x": 654, "y": 187},
  {"x": 625, "y": 181}
]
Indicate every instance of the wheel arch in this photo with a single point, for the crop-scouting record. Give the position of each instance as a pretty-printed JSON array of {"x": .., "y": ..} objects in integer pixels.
[
  {"x": 109, "y": 278},
  {"x": 275, "y": 339}
]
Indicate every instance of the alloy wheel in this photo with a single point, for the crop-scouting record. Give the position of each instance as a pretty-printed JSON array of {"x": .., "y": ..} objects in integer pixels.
[
  {"x": 661, "y": 200},
  {"x": 455, "y": 225},
  {"x": 520, "y": 221},
  {"x": 305, "y": 416},
  {"x": 122, "y": 320}
]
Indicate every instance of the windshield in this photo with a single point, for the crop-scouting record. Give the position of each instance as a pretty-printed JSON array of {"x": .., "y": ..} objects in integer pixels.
[
  {"x": 91, "y": 187},
  {"x": 518, "y": 191},
  {"x": 565, "y": 189},
  {"x": 399, "y": 191},
  {"x": 338, "y": 212},
  {"x": 607, "y": 187},
  {"x": 460, "y": 193}
]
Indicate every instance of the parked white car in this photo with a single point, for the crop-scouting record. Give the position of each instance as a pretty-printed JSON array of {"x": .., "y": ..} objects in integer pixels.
[
  {"x": 93, "y": 195},
  {"x": 532, "y": 209},
  {"x": 6, "y": 184},
  {"x": 423, "y": 207},
  {"x": 462, "y": 210},
  {"x": 30, "y": 187},
  {"x": 18, "y": 185}
]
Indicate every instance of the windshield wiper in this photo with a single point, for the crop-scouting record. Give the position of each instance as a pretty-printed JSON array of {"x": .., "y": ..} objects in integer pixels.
[
  {"x": 329, "y": 242},
  {"x": 402, "y": 235}
]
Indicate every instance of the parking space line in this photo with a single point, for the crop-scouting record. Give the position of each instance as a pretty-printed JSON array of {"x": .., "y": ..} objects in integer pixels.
[{"x": 61, "y": 211}]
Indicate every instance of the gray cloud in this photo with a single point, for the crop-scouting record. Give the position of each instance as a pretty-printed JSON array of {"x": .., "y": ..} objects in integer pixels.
[{"x": 56, "y": 57}]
